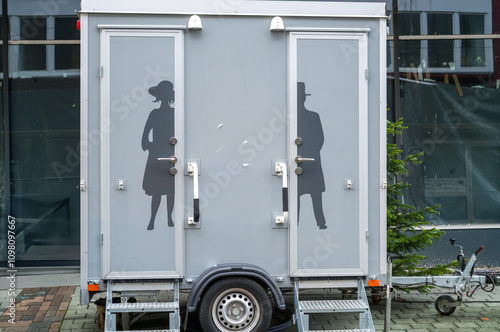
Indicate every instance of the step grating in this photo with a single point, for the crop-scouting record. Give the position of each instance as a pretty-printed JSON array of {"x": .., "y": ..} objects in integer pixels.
[
  {"x": 142, "y": 307},
  {"x": 357, "y": 330},
  {"x": 332, "y": 306},
  {"x": 149, "y": 331}
]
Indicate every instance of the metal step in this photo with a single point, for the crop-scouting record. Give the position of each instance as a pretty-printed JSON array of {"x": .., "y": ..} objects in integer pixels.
[
  {"x": 357, "y": 330},
  {"x": 319, "y": 306},
  {"x": 148, "y": 331},
  {"x": 142, "y": 307}
]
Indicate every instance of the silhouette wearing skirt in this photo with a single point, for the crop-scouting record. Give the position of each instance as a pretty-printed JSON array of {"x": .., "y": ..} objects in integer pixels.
[
  {"x": 157, "y": 180},
  {"x": 311, "y": 181}
]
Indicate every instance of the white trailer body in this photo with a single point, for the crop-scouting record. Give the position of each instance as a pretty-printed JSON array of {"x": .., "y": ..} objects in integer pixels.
[{"x": 228, "y": 139}]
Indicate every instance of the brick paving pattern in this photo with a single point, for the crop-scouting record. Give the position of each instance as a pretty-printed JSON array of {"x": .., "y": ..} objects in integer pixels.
[{"x": 39, "y": 309}]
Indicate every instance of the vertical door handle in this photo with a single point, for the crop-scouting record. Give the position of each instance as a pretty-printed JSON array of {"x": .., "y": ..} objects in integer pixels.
[
  {"x": 281, "y": 170},
  {"x": 192, "y": 169}
]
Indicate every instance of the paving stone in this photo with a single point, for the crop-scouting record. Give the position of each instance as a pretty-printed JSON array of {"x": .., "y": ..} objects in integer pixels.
[
  {"x": 401, "y": 327},
  {"x": 403, "y": 321},
  {"x": 442, "y": 326},
  {"x": 427, "y": 326}
]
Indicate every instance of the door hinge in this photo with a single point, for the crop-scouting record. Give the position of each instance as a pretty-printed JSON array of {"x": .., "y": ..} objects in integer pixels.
[
  {"x": 384, "y": 184},
  {"x": 366, "y": 74},
  {"x": 83, "y": 187},
  {"x": 102, "y": 239},
  {"x": 101, "y": 71},
  {"x": 367, "y": 235}
]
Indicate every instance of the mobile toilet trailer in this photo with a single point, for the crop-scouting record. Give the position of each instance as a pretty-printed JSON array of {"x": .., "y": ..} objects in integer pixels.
[{"x": 233, "y": 149}]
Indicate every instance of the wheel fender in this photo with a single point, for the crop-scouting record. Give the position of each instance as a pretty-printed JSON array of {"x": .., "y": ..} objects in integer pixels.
[{"x": 232, "y": 270}]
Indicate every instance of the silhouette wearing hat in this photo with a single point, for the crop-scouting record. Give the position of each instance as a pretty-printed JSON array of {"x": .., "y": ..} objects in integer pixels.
[
  {"x": 157, "y": 178},
  {"x": 311, "y": 181}
]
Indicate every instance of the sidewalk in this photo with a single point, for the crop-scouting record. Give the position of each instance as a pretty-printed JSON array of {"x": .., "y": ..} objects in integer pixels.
[{"x": 58, "y": 309}]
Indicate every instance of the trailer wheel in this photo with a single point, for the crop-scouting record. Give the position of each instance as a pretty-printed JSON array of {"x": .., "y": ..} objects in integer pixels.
[
  {"x": 443, "y": 305},
  {"x": 235, "y": 304}
]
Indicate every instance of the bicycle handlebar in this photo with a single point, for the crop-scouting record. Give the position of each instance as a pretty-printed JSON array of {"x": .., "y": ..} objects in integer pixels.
[{"x": 478, "y": 250}]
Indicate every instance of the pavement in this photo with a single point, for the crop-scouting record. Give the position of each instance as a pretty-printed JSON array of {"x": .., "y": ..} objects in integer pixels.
[{"x": 57, "y": 309}]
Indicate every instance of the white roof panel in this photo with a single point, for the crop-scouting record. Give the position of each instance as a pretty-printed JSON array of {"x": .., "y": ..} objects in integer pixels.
[{"x": 237, "y": 7}]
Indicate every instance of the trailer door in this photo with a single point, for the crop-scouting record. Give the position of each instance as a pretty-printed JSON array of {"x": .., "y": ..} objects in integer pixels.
[
  {"x": 328, "y": 153},
  {"x": 141, "y": 148}
]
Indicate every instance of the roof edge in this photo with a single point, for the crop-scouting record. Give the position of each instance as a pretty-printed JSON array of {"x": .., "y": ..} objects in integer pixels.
[{"x": 237, "y": 8}]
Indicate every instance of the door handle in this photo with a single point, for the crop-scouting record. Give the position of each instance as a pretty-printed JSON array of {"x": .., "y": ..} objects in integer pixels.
[
  {"x": 282, "y": 171},
  {"x": 192, "y": 169},
  {"x": 300, "y": 159},
  {"x": 172, "y": 159}
]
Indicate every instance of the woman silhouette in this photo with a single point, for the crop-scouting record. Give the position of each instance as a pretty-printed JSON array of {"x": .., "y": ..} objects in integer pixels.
[{"x": 157, "y": 178}]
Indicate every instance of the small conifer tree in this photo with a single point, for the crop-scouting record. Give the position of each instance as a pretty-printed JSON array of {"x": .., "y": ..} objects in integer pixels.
[{"x": 405, "y": 236}]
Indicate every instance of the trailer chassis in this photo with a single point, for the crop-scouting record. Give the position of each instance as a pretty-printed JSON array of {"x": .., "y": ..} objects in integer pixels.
[{"x": 464, "y": 282}]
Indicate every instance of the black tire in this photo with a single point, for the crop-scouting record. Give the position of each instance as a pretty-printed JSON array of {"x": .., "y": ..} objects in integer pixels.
[
  {"x": 442, "y": 305},
  {"x": 235, "y": 304}
]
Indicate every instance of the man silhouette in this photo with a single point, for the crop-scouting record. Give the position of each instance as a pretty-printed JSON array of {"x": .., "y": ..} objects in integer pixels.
[{"x": 311, "y": 181}]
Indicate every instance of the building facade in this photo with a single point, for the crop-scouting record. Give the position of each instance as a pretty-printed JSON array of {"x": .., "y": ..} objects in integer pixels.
[
  {"x": 449, "y": 97},
  {"x": 450, "y": 100}
]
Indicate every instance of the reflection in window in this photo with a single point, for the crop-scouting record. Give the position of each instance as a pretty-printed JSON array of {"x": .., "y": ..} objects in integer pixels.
[
  {"x": 440, "y": 52},
  {"x": 67, "y": 56},
  {"x": 3, "y": 186},
  {"x": 33, "y": 28},
  {"x": 44, "y": 136},
  {"x": 33, "y": 57},
  {"x": 1, "y": 50},
  {"x": 409, "y": 50},
  {"x": 473, "y": 52},
  {"x": 65, "y": 28}
]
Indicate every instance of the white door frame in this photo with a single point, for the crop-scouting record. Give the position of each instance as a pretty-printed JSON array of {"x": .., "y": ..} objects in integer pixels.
[
  {"x": 167, "y": 32},
  {"x": 361, "y": 37}
]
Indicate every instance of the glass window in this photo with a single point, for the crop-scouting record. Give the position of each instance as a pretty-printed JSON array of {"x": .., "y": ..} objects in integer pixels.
[
  {"x": 458, "y": 133},
  {"x": 33, "y": 57},
  {"x": 473, "y": 51},
  {"x": 3, "y": 185},
  {"x": 65, "y": 28},
  {"x": 1, "y": 49},
  {"x": 440, "y": 52},
  {"x": 409, "y": 50},
  {"x": 67, "y": 56},
  {"x": 45, "y": 167},
  {"x": 485, "y": 163},
  {"x": 33, "y": 28}
]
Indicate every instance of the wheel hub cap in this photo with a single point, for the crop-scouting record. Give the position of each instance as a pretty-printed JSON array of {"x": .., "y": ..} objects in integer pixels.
[{"x": 235, "y": 310}]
